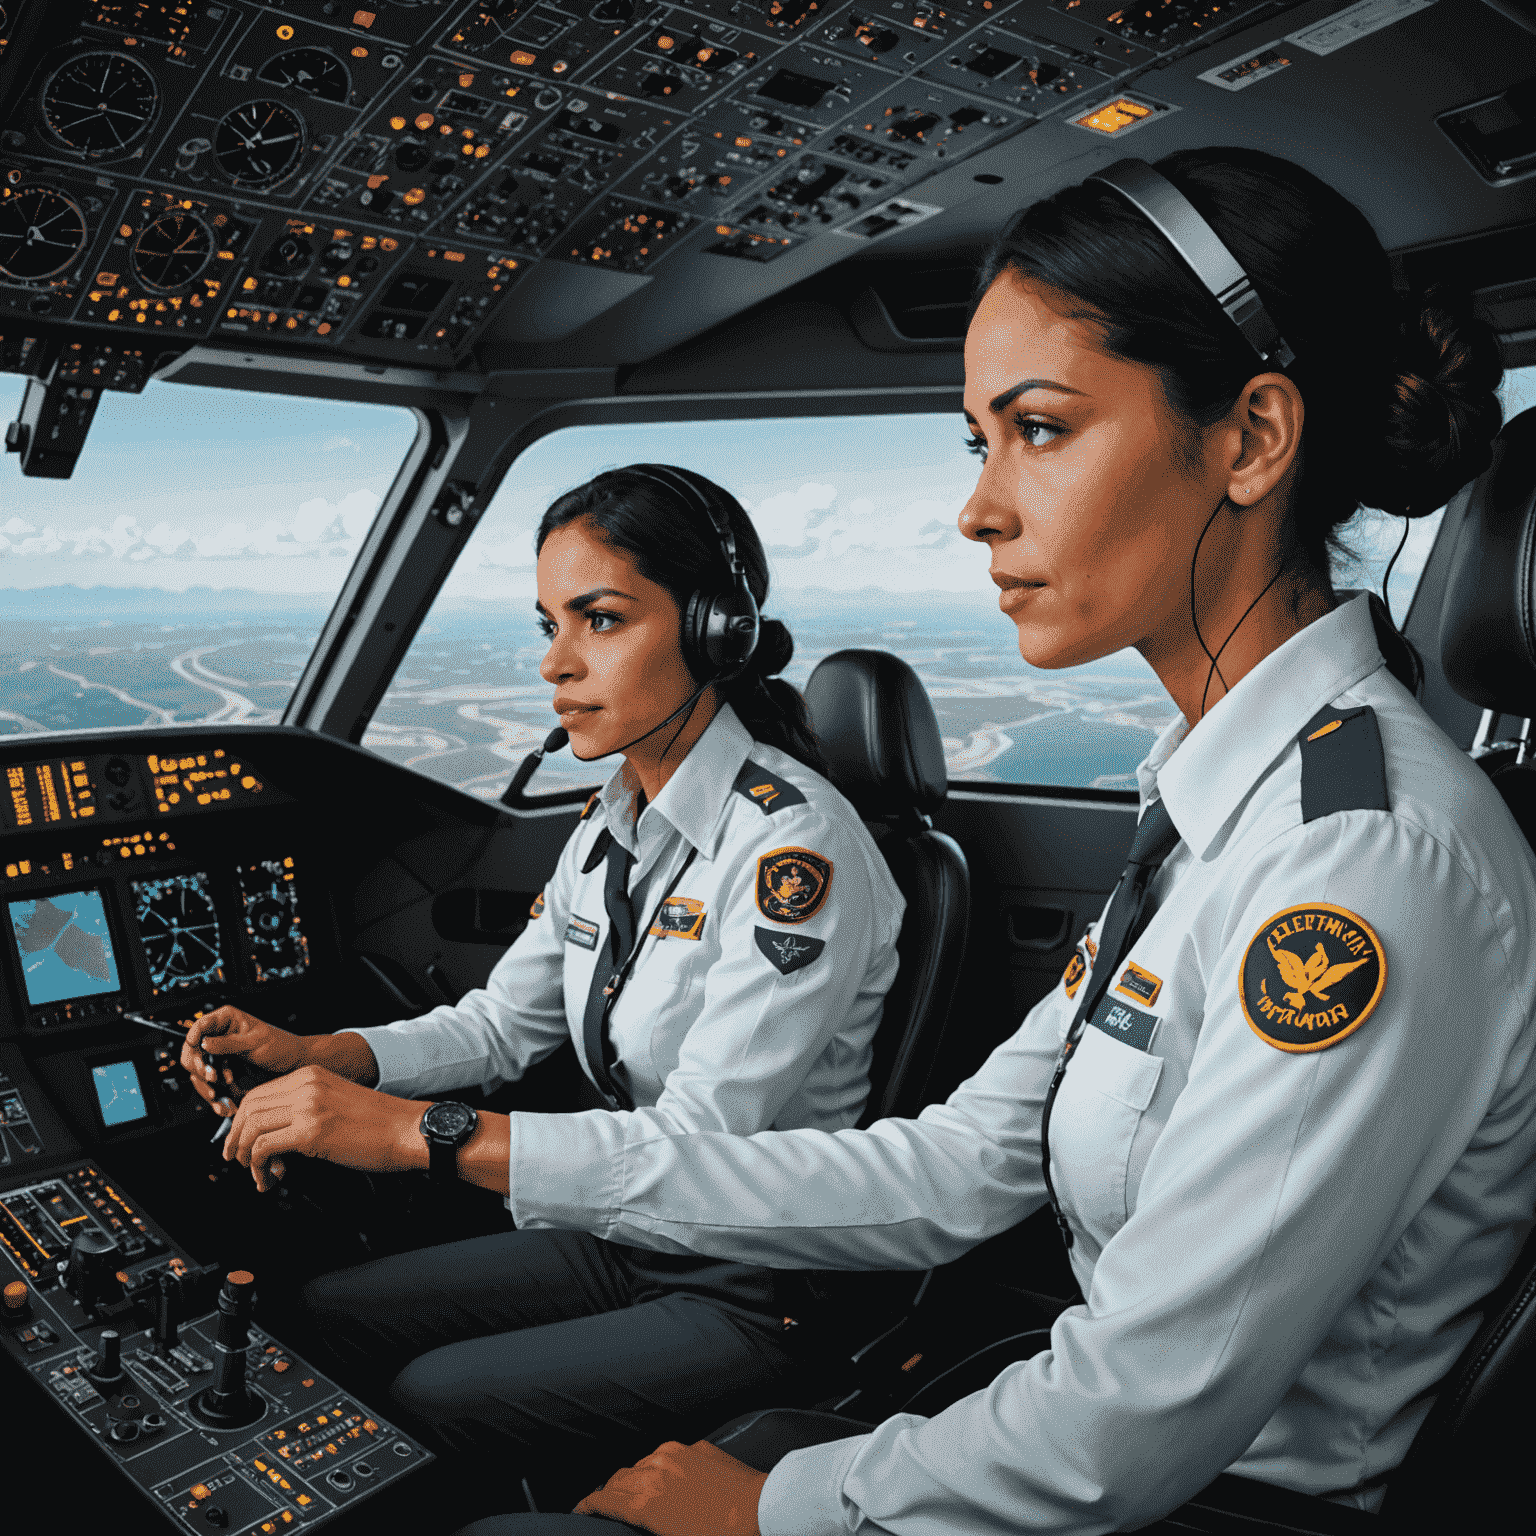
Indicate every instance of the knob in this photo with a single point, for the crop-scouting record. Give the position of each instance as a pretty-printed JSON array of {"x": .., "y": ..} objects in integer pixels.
[
  {"x": 18, "y": 1302},
  {"x": 107, "y": 1372},
  {"x": 90, "y": 1272},
  {"x": 227, "y": 1404}
]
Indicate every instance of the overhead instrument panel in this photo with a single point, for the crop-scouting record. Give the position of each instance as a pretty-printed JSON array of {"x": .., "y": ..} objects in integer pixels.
[{"x": 378, "y": 177}]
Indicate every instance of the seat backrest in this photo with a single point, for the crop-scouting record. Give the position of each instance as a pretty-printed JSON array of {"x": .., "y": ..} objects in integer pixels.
[
  {"x": 1471, "y": 1448},
  {"x": 881, "y": 738}
]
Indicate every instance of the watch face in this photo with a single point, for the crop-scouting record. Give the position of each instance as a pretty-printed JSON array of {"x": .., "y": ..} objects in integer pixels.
[{"x": 449, "y": 1119}]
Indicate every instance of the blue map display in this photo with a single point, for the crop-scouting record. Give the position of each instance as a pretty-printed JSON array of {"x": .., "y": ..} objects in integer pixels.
[
  {"x": 118, "y": 1092},
  {"x": 65, "y": 946}
]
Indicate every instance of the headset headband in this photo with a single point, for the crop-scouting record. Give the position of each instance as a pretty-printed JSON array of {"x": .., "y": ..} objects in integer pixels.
[
  {"x": 679, "y": 483},
  {"x": 1176, "y": 219}
]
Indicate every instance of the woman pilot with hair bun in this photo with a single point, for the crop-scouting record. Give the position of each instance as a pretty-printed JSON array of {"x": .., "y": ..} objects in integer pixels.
[
  {"x": 717, "y": 940},
  {"x": 1284, "y": 1098}
]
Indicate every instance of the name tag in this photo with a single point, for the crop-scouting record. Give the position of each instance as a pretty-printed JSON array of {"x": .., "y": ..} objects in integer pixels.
[
  {"x": 1130, "y": 1026},
  {"x": 681, "y": 917},
  {"x": 580, "y": 931}
]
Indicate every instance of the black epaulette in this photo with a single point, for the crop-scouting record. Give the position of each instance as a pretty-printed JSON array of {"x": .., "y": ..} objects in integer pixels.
[
  {"x": 766, "y": 789},
  {"x": 1342, "y": 765}
]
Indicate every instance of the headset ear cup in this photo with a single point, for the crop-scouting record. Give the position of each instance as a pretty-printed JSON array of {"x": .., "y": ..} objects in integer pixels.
[{"x": 696, "y": 637}]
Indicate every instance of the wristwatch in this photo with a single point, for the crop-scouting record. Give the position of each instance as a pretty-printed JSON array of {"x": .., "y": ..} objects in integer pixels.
[{"x": 446, "y": 1127}]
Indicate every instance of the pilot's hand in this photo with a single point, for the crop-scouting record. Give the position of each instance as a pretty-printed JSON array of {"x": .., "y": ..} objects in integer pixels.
[
  {"x": 231, "y": 1033},
  {"x": 682, "y": 1490},
  {"x": 321, "y": 1114}
]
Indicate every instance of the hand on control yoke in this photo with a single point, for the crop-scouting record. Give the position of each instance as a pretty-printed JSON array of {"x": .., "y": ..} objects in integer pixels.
[{"x": 240, "y": 1036}]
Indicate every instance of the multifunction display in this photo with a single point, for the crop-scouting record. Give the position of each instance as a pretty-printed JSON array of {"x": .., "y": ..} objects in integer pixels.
[
  {"x": 270, "y": 898},
  {"x": 65, "y": 946},
  {"x": 118, "y": 1094},
  {"x": 179, "y": 929}
]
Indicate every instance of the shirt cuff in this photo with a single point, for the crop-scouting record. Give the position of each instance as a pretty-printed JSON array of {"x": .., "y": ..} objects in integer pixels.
[
  {"x": 565, "y": 1170},
  {"x": 399, "y": 1058},
  {"x": 804, "y": 1493}
]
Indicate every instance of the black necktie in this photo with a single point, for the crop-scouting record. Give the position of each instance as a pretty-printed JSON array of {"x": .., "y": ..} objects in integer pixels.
[
  {"x": 1155, "y": 839},
  {"x": 615, "y": 951}
]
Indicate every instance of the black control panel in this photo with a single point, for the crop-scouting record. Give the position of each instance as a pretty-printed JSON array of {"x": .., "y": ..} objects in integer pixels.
[
  {"x": 156, "y": 1364},
  {"x": 379, "y": 177}
]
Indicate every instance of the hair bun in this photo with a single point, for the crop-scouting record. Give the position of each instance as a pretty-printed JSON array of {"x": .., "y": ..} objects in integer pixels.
[
  {"x": 1444, "y": 413},
  {"x": 775, "y": 648}
]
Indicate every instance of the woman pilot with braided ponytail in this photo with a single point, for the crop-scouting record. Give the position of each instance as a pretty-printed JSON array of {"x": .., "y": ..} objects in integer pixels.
[
  {"x": 1283, "y": 1099},
  {"x": 717, "y": 940}
]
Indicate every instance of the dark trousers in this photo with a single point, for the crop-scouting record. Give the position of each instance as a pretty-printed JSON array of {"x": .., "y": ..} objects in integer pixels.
[{"x": 554, "y": 1356}]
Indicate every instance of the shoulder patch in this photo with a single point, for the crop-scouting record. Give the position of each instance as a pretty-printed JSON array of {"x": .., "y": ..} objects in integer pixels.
[
  {"x": 788, "y": 951},
  {"x": 537, "y": 909},
  {"x": 587, "y": 809},
  {"x": 1077, "y": 966},
  {"x": 1342, "y": 764},
  {"x": 792, "y": 884},
  {"x": 765, "y": 789},
  {"x": 1311, "y": 975}
]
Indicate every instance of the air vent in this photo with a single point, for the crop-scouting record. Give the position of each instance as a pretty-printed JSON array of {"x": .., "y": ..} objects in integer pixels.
[
  {"x": 918, "y": 311},
  {"x": 1497, "y": 135}
]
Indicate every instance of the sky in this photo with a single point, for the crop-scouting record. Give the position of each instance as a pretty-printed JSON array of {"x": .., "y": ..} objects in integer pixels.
[{"x": 185, "y": 487}]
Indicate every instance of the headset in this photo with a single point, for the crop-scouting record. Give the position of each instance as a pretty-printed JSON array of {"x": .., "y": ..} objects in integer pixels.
[
  {"x": 719, "y": 629},
  {"x": 1203, "y": 252}
]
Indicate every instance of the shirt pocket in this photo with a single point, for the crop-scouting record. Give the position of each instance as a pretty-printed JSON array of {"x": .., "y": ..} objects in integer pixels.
[{"x": 1103, "y": 1096}]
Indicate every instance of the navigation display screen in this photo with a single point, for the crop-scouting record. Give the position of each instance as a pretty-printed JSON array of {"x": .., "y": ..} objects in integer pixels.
[
  {"x": 271, "y": 899},
  {"x": 180, "y": 932},
  {"x": 118, "y": 1093},
  {"x": 65, "y": 946},
  {"x": 42, "y": 794}
]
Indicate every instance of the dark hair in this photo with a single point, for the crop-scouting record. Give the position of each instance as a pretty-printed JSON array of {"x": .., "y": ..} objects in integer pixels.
[
  {"x": 1401, "y": 409},
  {"x": 672, "y": 545}
]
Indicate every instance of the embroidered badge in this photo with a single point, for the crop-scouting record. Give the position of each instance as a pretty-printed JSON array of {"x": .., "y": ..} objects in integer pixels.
[
  {"x": 1140, "y": 984},
  {"x": 788, "y": 951},
  {"x": 537, "y": 909},
  {"x": 1311, "y": 975},
  {"x": 580, "y": 931},
  {"x": 1130, "y": 1026},
  {"x": 681, "y": 917},
  {"x": 792, "y": 884}
]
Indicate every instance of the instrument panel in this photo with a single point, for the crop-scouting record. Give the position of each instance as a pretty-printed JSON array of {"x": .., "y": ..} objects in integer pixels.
[{"x": 381, "y": 176}]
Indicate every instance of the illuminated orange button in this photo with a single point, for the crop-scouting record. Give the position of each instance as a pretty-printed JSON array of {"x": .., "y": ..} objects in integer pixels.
[
  {"x": 201, "y": 1491},
  {"x": 285, "y": 32},
  {"x": 359, "y": 53},
  {"x": 424, "y": 120},
  {"x": 397, "y": 123},
  {"x": 363, "y": 18},
  {"x": 523, "y": 57}
]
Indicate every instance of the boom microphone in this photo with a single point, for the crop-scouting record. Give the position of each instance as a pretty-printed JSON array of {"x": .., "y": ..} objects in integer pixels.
[{"x": 556, "y": 739}]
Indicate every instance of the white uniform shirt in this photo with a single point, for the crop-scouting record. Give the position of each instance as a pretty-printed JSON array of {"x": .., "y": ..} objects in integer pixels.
[
  {"x": 736, "y": 1018},
  {"x": 1281, "y": 1252}
]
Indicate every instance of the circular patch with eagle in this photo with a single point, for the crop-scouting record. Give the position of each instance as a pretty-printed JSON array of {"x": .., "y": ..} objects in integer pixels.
[
  {"x": 1311, "y": 975},
  {"x": 792, "y": 884}
]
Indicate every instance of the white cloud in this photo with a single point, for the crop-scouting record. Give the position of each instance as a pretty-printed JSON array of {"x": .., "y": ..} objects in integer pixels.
[
  {"x": 331, "y": 444},
  {"x": 783, "y": 520}
]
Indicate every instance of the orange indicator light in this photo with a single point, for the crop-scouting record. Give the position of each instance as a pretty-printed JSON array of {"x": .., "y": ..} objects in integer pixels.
[
  {"x": 363, "y": 18},
  {"x": 397, "y": 123},
  {"x": 285, "y": 32},
  {"x": 359, "y": 53},
  {"x": 523, "y": 57},
  {"x": 424, "y": 120}
]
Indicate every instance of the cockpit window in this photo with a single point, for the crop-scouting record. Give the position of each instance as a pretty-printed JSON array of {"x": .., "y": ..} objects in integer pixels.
[
  {"x": 185, "y": 569},
  {"x": 858, "y": 515}
]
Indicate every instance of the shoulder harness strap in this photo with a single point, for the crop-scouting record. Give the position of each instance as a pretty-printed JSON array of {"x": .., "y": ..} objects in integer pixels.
[
  {"x": 1343, "y": 767},
  {"x": 765, "y": 789}
]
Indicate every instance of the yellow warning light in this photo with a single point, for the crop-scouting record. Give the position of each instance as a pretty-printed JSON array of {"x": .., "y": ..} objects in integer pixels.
[
  {"x": 664, "y": 42},
  {"x": 414, "y": 196},
  {"x": 359, "y": 53},
  {"x": 285, "y": 32},
  {"x": 248, "y": 284},
  {"x": 126, "y": 231},
  {"x": 424, "y": 120},
  {"x": 1115, "y": 116},
  {"x": 343, "y": 281},
  {"x": 388, "y": 243},
  {"x": 523, "y": 57},
  {"x": 481, "y": 151},
  {"x": 742, "y": 142},
  {"x": 397, "y": 123},
  {"x": 722, "y": 229}
]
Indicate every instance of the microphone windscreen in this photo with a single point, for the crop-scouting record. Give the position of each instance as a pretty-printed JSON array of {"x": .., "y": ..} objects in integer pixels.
[{"x": 556, "y": 739}]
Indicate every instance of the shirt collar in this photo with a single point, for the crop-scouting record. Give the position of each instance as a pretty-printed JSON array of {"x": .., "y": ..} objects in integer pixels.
[
  {"x": 1222, "y": 757},
  {"x": 692, "y": 800}
]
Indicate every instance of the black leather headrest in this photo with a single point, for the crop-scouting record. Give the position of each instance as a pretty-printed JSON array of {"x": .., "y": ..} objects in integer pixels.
[
  {"x": 879, "y": 732},
  {"x": 1488, "y": 620}
]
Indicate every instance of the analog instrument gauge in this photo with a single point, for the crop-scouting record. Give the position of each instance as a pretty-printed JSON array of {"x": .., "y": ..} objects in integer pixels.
[
  {"x": 41, "y": 232},
  {"x": 99, "y": 103},
  {"x": 179, "y": 930},
  {"x": 311, "y": 70},
  {"x": 258, "y": 144},
  {"x": 172, "y": 251}
]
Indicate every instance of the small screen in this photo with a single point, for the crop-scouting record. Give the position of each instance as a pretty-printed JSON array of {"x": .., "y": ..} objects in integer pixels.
[
  {"x": 118, "y": 1092},
  {"x": 66, "y": 949},
  {"x": 271, "y": 900},
  {"x": 179, "y": 929}
]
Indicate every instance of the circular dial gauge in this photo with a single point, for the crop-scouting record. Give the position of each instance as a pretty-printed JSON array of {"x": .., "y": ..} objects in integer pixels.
[
  {"x": 258, "y": 144},
  {"x": 179, "y": 930},
  {"x": 311, "y": 70},
  {"x": 41, "y": 232},
  {"x": 99, "y": 103},
  {"x": 172, "y": 251}
]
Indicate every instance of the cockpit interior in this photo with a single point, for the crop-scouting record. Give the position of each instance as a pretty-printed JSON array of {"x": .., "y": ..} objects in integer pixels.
[{"x": 439, "y": 260}]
